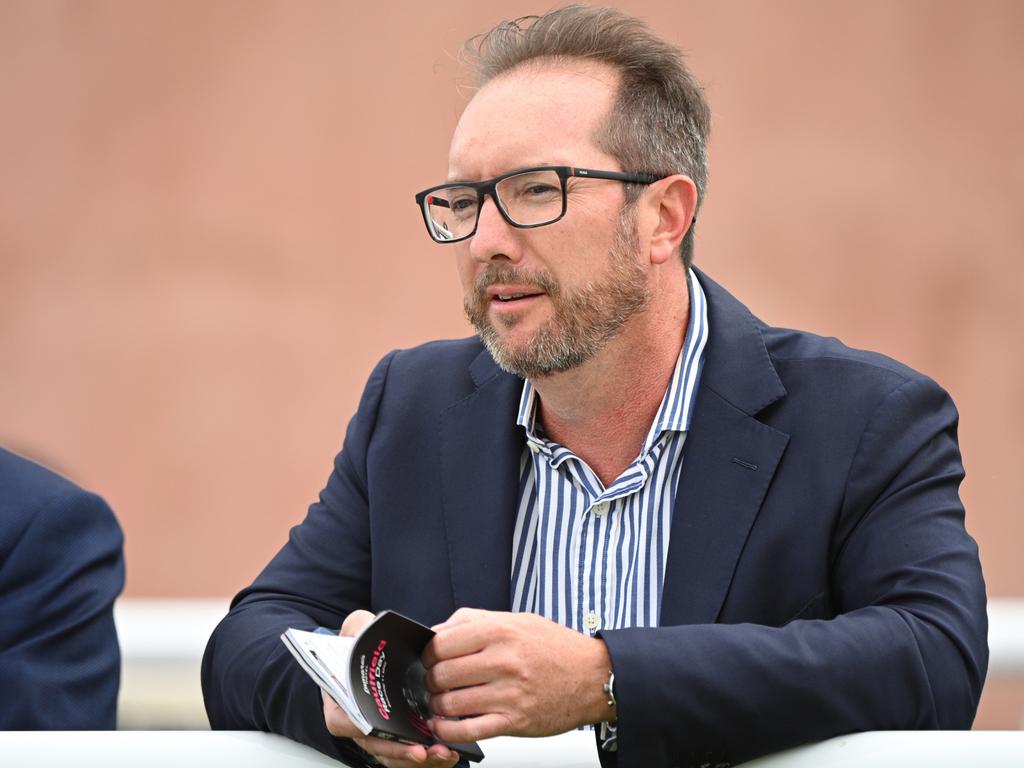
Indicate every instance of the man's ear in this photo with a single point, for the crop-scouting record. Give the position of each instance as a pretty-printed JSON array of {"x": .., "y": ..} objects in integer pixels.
[{"x": 673, "y": 203}]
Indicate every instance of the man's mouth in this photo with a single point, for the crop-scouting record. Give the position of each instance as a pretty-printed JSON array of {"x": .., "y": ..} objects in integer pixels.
[
  {"x": 509, "y": 294},
  {"x": 514, "y": 296}
]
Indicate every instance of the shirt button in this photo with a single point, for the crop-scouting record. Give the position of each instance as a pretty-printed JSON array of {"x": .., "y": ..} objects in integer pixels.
[
  {"x": 533, "y": 446},
  {"x": 600, "y": 509},
  {"x": 591, "y": 621}
]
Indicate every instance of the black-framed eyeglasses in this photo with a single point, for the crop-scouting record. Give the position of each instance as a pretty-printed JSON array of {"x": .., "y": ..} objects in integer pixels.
[{"x": 528, "y": 197}]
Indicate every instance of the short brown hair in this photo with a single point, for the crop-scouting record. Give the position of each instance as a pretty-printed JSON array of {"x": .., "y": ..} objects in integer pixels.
[{"x": 660, "y": 121}]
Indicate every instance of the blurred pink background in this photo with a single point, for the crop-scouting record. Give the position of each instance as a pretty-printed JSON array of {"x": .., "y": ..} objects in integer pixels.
[{"x": 208, "y": 237}]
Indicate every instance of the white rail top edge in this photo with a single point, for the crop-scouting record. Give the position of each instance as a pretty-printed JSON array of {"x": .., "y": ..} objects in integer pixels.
[
  {"x": 217, "y": 749},
  {"x": 177, "y": 629},
  {"x": 202, "y": 749},
  {"x": 904, "y": 749}
]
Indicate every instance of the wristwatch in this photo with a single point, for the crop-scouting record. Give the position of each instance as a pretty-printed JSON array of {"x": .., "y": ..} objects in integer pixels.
[{"x": 609, "y": 688}]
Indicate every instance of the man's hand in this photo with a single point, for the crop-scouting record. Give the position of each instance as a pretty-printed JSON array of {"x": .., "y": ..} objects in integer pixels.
[
  {"x": 390, "y": 753},
  {"x": 513, "y": 674}
]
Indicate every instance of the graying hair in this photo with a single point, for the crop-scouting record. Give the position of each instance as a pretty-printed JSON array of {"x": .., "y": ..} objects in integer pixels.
[{"x": 660, "y": 121}]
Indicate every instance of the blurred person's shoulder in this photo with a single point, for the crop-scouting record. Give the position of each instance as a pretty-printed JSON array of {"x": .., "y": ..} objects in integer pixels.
[{"x": 32, "y": 493}]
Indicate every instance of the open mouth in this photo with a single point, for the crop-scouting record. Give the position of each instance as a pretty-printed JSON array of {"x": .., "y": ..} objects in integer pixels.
[
  {"x": 511, "y": 295},
  {"x": 506, "y": 298}
]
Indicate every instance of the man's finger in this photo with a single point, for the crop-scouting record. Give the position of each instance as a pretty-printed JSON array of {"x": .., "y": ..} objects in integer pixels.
[
  {"x": 471, "y": 701},
  {"x": 460, "y": 640},
  {"x": 439, "y": 752},
  {"x": 393, "y": 750},
  {"x": 462, "y": 616},
  {"x": 445, "y": 675},
  {"x": 472, "y": 728},
  {"x": 395, "y": 755},
  {"x": 338, "y": 723}
]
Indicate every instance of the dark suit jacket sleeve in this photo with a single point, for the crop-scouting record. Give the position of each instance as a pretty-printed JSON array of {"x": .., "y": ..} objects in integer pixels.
[
  {"x": 905, "y": 647},
  {"x": 60, "y": 572},
  {"x": 250, "y": 681}
]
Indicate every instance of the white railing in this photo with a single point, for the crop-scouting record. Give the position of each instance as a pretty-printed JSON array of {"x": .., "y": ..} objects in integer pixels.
[
  {"x": 905, "y": 749},
  {"x": 162, "y": 643},
  {"x": 206, "y": 749},
  {"x": 1006, "y": 637}
]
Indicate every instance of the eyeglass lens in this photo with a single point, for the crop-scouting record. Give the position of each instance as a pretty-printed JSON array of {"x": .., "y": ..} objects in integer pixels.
[{"x": 528, "y": 199}]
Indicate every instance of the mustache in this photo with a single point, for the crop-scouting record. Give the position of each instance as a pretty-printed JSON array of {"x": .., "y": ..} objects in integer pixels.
[{"x": 514, "y": 275}]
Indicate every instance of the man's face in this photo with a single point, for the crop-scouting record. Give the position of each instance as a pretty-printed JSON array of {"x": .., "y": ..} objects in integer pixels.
[{"x": 577, "y": 282}]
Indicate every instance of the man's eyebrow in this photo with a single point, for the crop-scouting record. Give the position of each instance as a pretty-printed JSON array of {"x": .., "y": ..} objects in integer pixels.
[{"x": 452, "y": 179}]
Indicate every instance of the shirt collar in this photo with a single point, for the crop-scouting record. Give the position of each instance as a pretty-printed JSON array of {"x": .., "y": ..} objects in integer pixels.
[{"x": 676, "y": 410}]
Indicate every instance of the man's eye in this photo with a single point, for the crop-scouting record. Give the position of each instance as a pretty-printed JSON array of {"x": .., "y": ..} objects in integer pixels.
[
  {"x": 463, "y": 205},
  {"x": 538, "y": 192}
]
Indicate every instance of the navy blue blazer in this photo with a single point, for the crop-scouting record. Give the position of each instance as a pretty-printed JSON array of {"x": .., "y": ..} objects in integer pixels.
[
  {"x": 819, "y": 577},
  {"x": 61, "y": 566}
]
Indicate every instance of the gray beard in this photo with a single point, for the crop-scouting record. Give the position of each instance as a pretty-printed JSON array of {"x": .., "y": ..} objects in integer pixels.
[{"x": 584, "y": 321}]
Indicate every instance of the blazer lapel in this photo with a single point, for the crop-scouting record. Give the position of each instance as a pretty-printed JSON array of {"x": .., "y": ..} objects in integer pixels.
[
  {"x": 730, "y": 459},
  {"x": 728, "y": 465},
  {"x": 480, "y": 451}
]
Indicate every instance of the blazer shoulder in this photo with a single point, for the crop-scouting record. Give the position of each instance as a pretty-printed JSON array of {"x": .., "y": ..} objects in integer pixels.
[
  {"x": 448, "y": 354},
  {"x": 793, "y": 351},
  {"x": 448, "y": 370},
  {"x": 824, "y": 376}
]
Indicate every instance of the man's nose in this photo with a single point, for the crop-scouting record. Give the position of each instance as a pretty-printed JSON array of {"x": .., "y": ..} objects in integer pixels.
[{"x": 494, "y": 238}]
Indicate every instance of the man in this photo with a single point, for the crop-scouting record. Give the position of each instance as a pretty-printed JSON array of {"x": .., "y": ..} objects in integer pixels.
[
  {"x": 632, "y": 504},
  {"x": 61, "y": 567}
]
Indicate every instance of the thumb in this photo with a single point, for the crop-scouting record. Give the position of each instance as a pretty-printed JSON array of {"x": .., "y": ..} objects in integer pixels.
[{"x": 355, "y": 622}]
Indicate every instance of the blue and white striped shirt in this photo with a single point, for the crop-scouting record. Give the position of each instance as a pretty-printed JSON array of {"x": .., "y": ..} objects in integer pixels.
[{"x": 590, "y": 557}]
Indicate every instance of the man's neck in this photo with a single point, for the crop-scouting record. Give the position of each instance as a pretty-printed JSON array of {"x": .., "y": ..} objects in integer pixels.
[{"x": 603, "y": 410}]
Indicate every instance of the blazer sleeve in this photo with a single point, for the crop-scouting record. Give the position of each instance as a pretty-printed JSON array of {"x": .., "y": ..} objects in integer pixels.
[
  {"x": 906, "y": 648},
  {"x": 249, "y": 679},
  {"x": 59, "y": 658}
]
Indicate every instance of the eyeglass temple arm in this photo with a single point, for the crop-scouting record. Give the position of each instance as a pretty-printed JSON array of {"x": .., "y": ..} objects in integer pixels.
[
  {"x": 440, "y": 202},
  {"x": 634, "y": 178}
]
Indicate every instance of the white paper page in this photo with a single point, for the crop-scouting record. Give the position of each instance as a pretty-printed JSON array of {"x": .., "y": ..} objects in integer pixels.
[{"x": 327, "y": 658}]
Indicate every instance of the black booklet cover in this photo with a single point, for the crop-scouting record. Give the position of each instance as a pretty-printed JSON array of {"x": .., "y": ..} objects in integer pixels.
[{"x": 377, "y": 677}]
